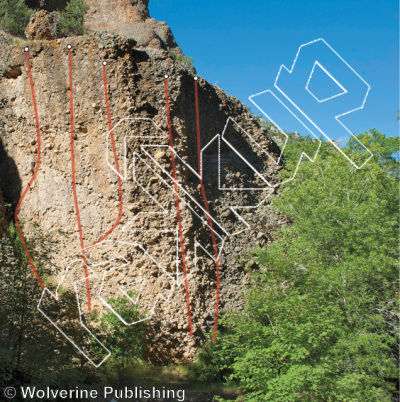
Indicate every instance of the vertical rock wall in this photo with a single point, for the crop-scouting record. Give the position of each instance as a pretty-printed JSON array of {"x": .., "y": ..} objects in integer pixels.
[{"x": 144, "y": 251}]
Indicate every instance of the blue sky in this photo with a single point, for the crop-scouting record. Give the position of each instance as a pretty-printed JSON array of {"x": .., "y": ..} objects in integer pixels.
[{"x": 240, "y": 46}]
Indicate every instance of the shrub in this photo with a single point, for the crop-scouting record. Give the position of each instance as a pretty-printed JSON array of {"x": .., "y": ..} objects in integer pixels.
[
  {"x": 213, "y": 364},
  {"x": 14, "y": 16},
  {"x": 124, "y": 341},
  {"x": 30, "y": 352},
  {"x": 181, "y": 59},
  {"x": 72, "y": 19}
]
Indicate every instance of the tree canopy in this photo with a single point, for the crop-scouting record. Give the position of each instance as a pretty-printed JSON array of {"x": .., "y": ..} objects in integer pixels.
[{"x": 321, "y": 316}]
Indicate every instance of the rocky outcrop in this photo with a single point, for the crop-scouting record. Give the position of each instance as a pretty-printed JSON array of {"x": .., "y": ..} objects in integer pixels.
[
  {"x": 104, "y": 15},
  {"x": 150, "y": 34},
  {"x": 42, "y": 26},
  {"x": 5, "y": 38},
  {"x": 131, "y": 18},
  {"x": 143, "y": 251}
]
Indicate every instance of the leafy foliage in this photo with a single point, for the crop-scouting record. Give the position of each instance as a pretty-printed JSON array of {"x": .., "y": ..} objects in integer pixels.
[
  {"x": 124, "y": 341},
  {"x": 14, "y": 16},
  {"x": 213, "y": 364},
  {"x": 321, "y": 318},
  {"x": 181, "y": 59},
  {"x": 30, "y": 349},
  {"x": 386, "y": 150},
  {"x": 72, "y": 18}
]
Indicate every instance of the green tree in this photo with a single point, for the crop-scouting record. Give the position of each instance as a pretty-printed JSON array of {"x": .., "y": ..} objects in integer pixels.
[
  {"x": 71, "y": 22},
  {"x": 31, "y": 350},
  {"x": 385, "y": 149},
  {"x": 124, "y": 341},
  {"x": 321, "y": 318},
  {"x": 14, "y": 16}
]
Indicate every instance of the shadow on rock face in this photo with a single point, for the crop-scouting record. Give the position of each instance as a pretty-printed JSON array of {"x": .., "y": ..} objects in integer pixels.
[
  {"x": 10, "y": 182},
  {"x": 48, "y": 5}
]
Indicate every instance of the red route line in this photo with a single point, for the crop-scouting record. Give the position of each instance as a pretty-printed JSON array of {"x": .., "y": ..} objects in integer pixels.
[
  {"x": 171, "y": 144},
  {"x": 210, "y": 224},
  {"x": 73, "y": 171},
  {"x": 110, "y": 127},
  {"x": 34, "y": 174},
  {"x": 78, "y": 217}
]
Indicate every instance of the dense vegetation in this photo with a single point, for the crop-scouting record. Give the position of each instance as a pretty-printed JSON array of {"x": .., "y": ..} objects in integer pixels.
[
  {"x": 71, "y": 22},
  {"x": 31, "y": 349},
  {"x": 15, "y": 15},
  {"x": 321, "y": 318}
]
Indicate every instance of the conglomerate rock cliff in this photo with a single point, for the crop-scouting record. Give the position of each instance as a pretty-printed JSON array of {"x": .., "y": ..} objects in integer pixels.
[
  {"x": 135, "y": 197},
  {"x": 130, "y": 18}
]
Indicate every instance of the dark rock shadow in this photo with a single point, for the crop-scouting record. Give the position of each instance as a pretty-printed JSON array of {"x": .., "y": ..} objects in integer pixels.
[
  {"x": 10, "y": 181},
  {"x": 48, "y": 5}
]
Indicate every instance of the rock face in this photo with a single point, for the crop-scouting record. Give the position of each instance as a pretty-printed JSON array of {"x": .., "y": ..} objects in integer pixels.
[
  {"x": 42, "y": 25},
  {"x": 150, "y": 34},
  {"x": 104, "y": 15},
  {"x": 143, "y": 252},
  {"x": 131, "y": 18},
  {"x": 5, "y": 38}
]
